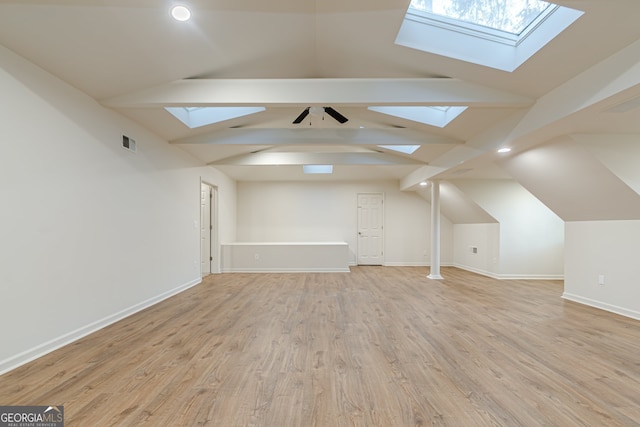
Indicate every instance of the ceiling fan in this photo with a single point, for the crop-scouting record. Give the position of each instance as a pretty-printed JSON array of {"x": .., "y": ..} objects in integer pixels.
[{"x": 317, "y": 111}]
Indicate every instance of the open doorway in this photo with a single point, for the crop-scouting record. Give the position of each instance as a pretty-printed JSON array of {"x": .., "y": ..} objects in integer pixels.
[{"x": 209, "y": 229}]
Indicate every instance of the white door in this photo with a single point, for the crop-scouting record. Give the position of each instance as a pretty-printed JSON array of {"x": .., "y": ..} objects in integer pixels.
[
  {"x": 205, "y": 228},
  {"x": 370, "y": 229}
]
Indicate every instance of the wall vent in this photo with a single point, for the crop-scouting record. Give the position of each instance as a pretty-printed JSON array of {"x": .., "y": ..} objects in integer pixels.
[{"x": 128, "y": 143}]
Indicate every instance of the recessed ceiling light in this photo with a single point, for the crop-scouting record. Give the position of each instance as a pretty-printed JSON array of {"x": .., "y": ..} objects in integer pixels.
[
  {"x": 180, "y": 13},
  {"x": 423, "y": 184},
  {"x": 504, "y": 150}
]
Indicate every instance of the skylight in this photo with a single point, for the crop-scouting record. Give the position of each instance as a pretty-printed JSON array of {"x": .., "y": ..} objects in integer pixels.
[
  {"x": 194, "y": 117},
  {"x": 511, "y": 16},
  {"x": 317, "y": 169},
  {"x": 406, "y": 149},
  {"x": 501, "y": 34},
  {"x": 438, "y": 116}
]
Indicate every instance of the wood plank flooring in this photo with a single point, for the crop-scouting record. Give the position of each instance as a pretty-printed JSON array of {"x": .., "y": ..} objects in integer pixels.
[{"x": 380, "y": 346}]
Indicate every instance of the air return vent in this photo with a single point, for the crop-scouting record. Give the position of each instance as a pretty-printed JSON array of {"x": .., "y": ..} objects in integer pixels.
[{"x": 128, "y": 143}]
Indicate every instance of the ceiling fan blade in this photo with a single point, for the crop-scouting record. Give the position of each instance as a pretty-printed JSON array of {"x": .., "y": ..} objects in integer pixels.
[
  {"x": 301, "y": 117},
  {"x": 333, "y": 113}
]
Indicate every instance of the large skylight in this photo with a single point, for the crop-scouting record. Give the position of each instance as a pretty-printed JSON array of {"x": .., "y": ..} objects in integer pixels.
[
  {"x": 501, "y": 34},
  {"x": 511, "y": 16}
]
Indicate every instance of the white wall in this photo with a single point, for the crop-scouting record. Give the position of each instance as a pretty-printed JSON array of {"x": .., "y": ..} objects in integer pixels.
[
  {"x": 327, "y": 211},
  {"x": 576, "y": 178},
  {"x": 531, "y": 235},
  {"x": 607, "y": 148},
  {"x": 89, "y": 232},
  {"x": 484, "y": 237},
  {"x": 227, "y": 202},
  {"x": 610, "y": 249}
]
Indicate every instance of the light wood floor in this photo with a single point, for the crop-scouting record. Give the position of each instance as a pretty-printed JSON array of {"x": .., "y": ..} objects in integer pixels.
[{"x": 380, "y": 346}]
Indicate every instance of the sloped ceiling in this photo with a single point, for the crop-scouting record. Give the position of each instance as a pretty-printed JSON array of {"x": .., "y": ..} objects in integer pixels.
[
  {"x": 619, "y": 153},
  {"x": 287, "y": 55},
  {"x": 573, "y": 183},
  {"x": 457, "y": 206}
]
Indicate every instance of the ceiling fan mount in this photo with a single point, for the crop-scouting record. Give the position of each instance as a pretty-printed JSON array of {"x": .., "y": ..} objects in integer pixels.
[{"x": 319, "y": 111}]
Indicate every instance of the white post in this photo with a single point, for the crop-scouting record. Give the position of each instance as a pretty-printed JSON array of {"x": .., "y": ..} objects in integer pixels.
[{"x": 435, "y": 231}]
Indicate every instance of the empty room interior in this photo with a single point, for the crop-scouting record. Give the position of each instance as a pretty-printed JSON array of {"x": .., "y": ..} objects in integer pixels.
[{"x": 305, "y": 212}]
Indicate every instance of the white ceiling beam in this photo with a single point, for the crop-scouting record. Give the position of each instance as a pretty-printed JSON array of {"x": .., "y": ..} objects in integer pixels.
[
  {"x": 284, "y": 159},
  {"x": 423, "y": 174},
  {"x": 315, "y": 136},
  {"x": 599, "y": 88},
  {"x": 323, "y": 92}
]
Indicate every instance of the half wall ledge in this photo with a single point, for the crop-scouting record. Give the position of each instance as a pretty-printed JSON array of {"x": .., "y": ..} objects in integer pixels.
[{"x": 281, "y": 257}]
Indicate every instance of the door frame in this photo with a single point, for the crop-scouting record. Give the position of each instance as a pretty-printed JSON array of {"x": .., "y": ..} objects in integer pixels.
[
  {"x": 382, "y": 231},
  {"x": 214, "y": 238}
]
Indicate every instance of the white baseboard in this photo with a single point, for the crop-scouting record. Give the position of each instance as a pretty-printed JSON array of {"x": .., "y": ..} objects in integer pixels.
[
  {"x": 602, "y": 305},
  {"x": 56, "y": 343},
  {"x": 475, "y": 270},
  {"x": 407, "y": 264},
  {"x": 531, "y": 276},
  {"x": 286, "y": 270},
  {"x": 510, "y": 276}
]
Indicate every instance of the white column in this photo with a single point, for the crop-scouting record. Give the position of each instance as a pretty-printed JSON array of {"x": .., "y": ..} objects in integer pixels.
[{"x": 435, "y": 231}]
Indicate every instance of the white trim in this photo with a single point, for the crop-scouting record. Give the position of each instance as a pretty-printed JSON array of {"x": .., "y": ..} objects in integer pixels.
[
  {"x": 406, "y": 264},
  {"x": 68, "y": 338},
  {"x": 509, "y": 276},
  {"x": 531, "y": 277},
  {"x": 215, "y": 243},
  {"x": 286, "y": 270},
  {"x": 602, "y": 305},
  {"x": 476, "y": 270}
]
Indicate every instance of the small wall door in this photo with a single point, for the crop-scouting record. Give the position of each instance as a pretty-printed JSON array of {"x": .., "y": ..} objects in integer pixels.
[{"x": 370, "y": 229}]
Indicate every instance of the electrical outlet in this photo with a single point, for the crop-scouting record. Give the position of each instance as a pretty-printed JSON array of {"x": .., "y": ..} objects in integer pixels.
[{"x": 601, "y": 279}]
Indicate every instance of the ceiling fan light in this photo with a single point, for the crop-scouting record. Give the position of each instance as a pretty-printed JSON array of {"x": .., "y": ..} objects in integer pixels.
[{"x": 316, "y": 111}]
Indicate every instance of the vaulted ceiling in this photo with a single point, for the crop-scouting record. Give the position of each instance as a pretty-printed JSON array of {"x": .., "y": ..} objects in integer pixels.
[{"x": 287, "y": 55}]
